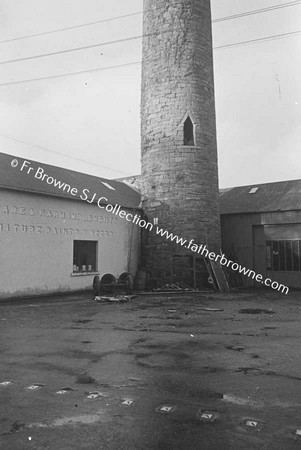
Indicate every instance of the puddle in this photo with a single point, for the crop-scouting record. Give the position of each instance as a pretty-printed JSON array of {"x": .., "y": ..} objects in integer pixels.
[
  {"x": 84, "y": 379},
  {"x": 235, "y": 348},
  {"x": 16, "y": 427},
  {"x": 207, "y": 394},
  {"x": 140, "y": 341},
  {"x": 270, "y": 373},
  {"x": 213, "y": 369},
  {"x": 162, "y": 359},
  {"x": 255, "y": 311},
  {"x": 83, "y": 321},
  {"x": 211, "y": 309},
  {"x": 247, "y": 370}
]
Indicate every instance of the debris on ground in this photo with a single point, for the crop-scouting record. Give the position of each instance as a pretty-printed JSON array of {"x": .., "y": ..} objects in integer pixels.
[
  {"x": 166, "y": 409},
  {"x": 127, "y": 402},
  {"x": 170, "y": 287},
  {"x": 16, "y": 427},
  {"x": 256, "y": 311},
  {"x": 211, "y": 309},
  {"x": 35, "y": 386},
  {"x": 64, "y": 390},
  {"x": 115, "y": 298},
  {"x": 253, "y": 424},
  {"x": 84, "y": 378},
  {"x": 235, "y": 348},
  {"x": 207, "y": 416},
  {"x": 95, "y": 394}
]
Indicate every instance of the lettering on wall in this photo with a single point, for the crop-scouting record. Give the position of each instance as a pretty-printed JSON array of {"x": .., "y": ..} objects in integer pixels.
[
  {"x": 42, "y": 229},
  {"x": 55, "y": 214}
]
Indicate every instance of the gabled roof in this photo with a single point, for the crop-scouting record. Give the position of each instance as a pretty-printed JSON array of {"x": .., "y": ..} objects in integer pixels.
[
  {"x": 14, "y": 178},
  {"x": 256, "y": 198}
]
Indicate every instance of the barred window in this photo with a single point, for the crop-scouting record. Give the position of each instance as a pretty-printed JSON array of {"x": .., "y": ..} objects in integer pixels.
[
  {"x": 84, "y": 256},
  {"x": 283, "y": 255}
]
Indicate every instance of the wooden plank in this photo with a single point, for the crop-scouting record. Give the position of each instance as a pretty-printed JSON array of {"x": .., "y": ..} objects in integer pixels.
[
  {"x": 211, "y": 273},
  {"x": 219, "y": 275}
]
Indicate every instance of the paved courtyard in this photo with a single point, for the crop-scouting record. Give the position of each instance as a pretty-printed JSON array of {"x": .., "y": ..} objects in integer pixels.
[{"x": 207, "y": 371}]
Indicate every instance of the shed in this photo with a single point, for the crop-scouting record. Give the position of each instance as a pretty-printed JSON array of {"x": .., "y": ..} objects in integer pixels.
[
  {"x": 261, "y": 229},
  {"x": 59, "y": 228}
]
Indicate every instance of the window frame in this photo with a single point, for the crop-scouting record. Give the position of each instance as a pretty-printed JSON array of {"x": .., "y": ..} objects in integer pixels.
[
  {"x": 283, "y": 255},
  {"x": 188, "y": 141},
  {"x": 89, "y": 257}
]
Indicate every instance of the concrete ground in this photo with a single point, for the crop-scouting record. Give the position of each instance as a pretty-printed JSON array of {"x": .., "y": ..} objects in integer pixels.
[{"x": 207, "y": 371}]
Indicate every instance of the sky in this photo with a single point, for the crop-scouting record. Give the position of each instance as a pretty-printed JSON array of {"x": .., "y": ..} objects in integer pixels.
[{"x": 90, "y": 122}]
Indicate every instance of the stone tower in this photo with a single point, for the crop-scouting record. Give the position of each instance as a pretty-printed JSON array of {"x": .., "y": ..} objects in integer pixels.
[{"x": 178, "y": 131}]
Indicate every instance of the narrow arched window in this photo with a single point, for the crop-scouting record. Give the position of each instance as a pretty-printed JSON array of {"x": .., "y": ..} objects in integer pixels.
[{"x": 188, "y": 132}]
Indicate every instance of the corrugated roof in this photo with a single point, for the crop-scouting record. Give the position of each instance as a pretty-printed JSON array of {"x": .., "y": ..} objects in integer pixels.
[
  {"x": 280, "y": 196},
  {"x": 14, "y": 178}
]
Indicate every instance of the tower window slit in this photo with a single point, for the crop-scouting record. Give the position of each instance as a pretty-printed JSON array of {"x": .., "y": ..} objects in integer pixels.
[{"x": 188, "y": 132}]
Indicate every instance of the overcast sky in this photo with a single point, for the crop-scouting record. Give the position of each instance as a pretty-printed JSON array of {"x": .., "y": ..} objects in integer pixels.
[{"x": 94, "y": 116}]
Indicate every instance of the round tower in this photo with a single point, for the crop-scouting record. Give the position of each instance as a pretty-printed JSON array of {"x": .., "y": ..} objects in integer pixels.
[{"x": 178, "y": 137}]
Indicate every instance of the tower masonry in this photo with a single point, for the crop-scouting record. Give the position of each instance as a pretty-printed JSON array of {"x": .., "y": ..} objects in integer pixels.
[{"x": 178, "y": 134}]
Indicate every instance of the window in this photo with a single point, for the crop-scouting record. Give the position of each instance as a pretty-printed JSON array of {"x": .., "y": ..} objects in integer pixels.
[
  {"x": 188, "y": 132},
  {"x": 84, "y": 256},
  {"x": 283, "y": 255},
  {"x": 253, "y": 190}
]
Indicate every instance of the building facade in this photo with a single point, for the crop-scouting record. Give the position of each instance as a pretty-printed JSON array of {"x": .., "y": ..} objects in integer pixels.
[
  {"x": 179, "y": 183},
  {"x": 54, "y": 241},
  {"x": 261, "y": 230}
]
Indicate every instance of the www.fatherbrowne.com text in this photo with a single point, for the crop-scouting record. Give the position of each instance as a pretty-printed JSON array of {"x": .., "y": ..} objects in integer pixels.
[
  {"x": 103, "y": 203},
  {"x": 204, "y": 251}
]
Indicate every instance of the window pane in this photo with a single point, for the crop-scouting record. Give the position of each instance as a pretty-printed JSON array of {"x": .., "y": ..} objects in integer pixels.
[
  {"x": 269, "y": 255},
  {"x": 288, "y": 256},
  {"x": 84, "y": 255},
  {"x": 281, "y": 255},
  {"x": 275, "y": 255},
  {"x": 296, "y": 255}
]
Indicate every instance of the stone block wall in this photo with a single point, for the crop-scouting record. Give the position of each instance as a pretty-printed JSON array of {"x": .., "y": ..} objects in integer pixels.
[{"x": 179, "y": 182}]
